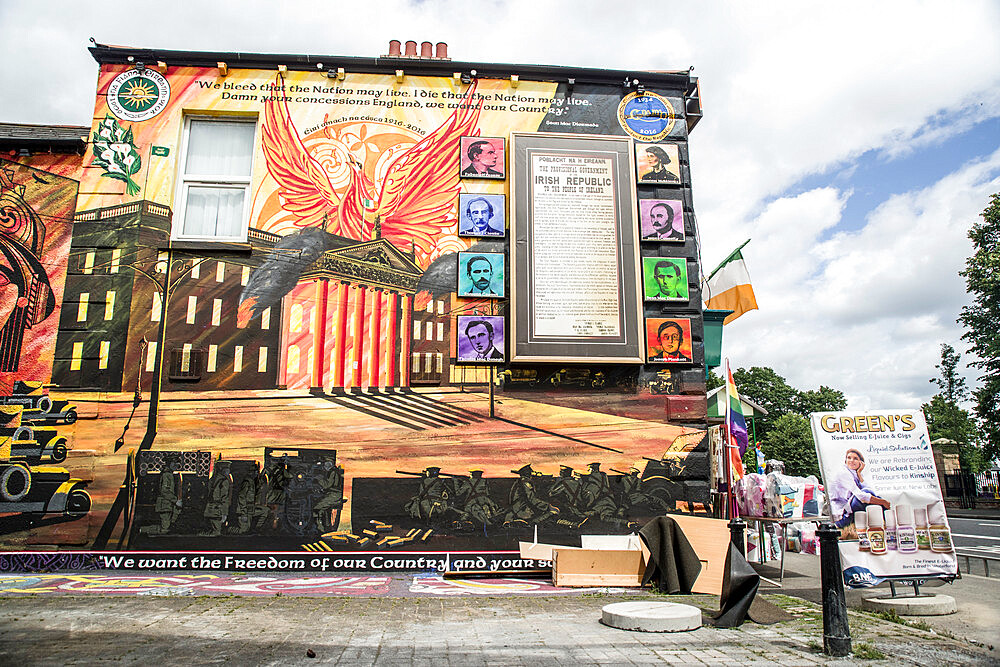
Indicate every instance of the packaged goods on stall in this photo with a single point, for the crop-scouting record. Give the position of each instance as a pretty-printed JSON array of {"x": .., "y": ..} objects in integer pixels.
[
  {"x": 750, "y": 490},
  {"x": 792, "y": 497}
]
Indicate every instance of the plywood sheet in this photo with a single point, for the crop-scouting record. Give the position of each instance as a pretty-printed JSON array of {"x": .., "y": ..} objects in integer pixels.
[
  {"x": 597, "y": 567},
  {"x": 710, "y": 540}
]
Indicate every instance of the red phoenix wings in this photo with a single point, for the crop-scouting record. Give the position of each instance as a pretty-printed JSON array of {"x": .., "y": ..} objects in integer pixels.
[{"x": 416, "y": 195}]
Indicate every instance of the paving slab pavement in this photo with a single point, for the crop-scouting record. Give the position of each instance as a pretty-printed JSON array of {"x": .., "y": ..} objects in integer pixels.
[
  {"x": 377, "y": 629},
  {"x": 978, "y": 599}
]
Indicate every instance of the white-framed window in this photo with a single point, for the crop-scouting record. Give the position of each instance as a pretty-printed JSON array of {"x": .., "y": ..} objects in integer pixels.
[
  {"x": 156, "y": 308},
  {"x": 440, "y": 330},
  {"x": 292, "y": 365},
  {"x": 76, "y": 359},
  {"x": 196, "y": 269},
  {"x": 116, "y": 260},
  {"x": 216, "y": 312},
  {"x": 220, "y": 272},
  {"x": 103, "y": 354},
  {"x": 245, "y": 276},
  {"x": 417, "y": 328},
  {"x": 262, "y": 360},
  {"x": 109, "y": 304},
  {"x": 81, "y": 308},
  {"x": 151, "y": 357},
  {"x": 213, "y": 357},
  {"x": 213, "y": 190},
  {"x": 415, "y": 363},
  {"x": 440, "y": 307},
  {"x": 265, "y": 318},
  {"x": 429, "y": 330},
  {"x": 238, "y": 359},
  {"x": 192, "y": 308}
]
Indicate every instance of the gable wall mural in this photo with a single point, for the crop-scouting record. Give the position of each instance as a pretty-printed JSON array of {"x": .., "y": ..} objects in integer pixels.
[{"x": 279, "y": 321}]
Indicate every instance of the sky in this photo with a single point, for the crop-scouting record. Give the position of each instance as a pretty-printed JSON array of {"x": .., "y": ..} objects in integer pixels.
[{"x": 854, "y": 143}]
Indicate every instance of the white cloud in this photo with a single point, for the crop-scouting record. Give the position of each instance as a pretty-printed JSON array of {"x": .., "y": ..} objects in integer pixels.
[
  {"x": 790, "y": 89},
  {"x": 864, "y": 311}
]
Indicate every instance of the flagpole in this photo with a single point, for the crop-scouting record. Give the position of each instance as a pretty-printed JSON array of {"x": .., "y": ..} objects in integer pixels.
[{"x": 725, "y": 452}]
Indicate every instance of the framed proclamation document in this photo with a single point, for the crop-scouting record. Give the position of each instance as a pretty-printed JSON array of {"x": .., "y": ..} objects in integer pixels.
[{"x": 575, "y": 277}]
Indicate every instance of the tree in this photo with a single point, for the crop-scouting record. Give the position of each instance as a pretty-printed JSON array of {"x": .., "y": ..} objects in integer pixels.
[
  {"x": 946, "y": 419},
  {"x": 982, "y": 282},
  {"x": 823, "y": 399},
  {"x": 714, "y": 380},
  {"x": 768, "y": 390},
  {"x": 790, "y": 440}
]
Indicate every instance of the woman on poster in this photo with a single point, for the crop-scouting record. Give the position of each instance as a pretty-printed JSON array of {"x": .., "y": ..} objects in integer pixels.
[{"x": 848, "y": 491}]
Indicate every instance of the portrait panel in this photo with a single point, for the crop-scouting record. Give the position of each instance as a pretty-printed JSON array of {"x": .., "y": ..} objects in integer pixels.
[
  {"x": 668, "y": 340},
  {"x": 657, "y": 164},
  {"x": 483, "y": 157},
  {"x": 661, "y": 219},
  {"x": 480, "y": 339},
  {"x": 481, "y": 274},
  {"x": 665, "y": 279},
  {"x": 481, "y": 214}
]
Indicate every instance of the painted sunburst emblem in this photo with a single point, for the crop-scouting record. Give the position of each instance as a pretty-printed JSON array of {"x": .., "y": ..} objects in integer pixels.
[{"x": 138, "y": 94}]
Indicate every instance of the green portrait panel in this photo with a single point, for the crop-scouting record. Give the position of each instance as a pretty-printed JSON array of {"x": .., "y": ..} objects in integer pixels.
[{"x": 665, "y": 279}]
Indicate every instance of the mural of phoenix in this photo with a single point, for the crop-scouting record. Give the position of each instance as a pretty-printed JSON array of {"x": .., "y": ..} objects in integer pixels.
[{"x": 408, "y": 202}]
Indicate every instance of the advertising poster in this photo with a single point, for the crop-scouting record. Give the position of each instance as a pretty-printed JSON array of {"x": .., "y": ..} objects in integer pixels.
[{"x": 883, "y": 493}]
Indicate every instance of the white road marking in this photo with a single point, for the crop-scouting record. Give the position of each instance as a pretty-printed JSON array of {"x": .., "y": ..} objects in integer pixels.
[{"x": 977, "y": 537}]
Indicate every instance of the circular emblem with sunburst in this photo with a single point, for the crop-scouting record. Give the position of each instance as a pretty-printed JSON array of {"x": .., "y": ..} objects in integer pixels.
[{"x": 138, "y": 95}]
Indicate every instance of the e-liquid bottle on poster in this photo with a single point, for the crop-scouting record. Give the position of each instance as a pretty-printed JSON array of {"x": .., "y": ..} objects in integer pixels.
[
  {"x": 890, "y": 530},
  {"x": 923, "y": 535},
  {"x": 940, "y": 533},
  {"x": 906, "y": 532},
  {"x": 861, "y": 525},
  {"x": 876, "y": 530}
]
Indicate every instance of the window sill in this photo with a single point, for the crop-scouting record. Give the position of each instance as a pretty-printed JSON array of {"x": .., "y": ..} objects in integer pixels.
[{"x": 227, "y": 247}]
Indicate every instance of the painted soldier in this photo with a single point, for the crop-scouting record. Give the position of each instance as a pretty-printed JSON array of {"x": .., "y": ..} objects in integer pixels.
[
  {"x": 167, "y": 504},
  {"x": 526, "y": 504},
  {"x": 565, "y": 494},
  {"x": 474, "y": 498},
  {"x": 331, "y": 497},
  {"x": 278, "y": 478},
  {"x": 263, "y": 517},
  {"x": 220, "y": 491},
  {"x": 598, "y": 501},
  {"x": 431, "y": 501},
  {"x": 244, "y": 505}
]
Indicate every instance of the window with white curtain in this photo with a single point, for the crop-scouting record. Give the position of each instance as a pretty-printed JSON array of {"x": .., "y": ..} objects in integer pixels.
[{"x": 214, "y": 183}]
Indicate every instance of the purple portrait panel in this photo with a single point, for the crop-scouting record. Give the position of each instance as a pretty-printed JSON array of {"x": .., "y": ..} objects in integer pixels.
[{"x": 481, "y": 339}]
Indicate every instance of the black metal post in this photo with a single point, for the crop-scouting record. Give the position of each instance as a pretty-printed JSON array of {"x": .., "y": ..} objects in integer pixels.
[
  {"x": 836, "y": 631},
  {"x": 737, "y": 528}
]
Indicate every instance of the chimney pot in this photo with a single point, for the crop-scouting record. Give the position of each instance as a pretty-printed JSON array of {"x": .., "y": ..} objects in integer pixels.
[
  {"x": 394, "y": 45},
  {"x": 411, "y": 49},
  {"x": 426, "y": 49},
  {"x": 442, "y": 50}
]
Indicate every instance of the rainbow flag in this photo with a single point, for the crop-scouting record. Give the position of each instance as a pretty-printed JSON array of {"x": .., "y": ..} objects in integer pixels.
[{"x": 736, "y": 427}]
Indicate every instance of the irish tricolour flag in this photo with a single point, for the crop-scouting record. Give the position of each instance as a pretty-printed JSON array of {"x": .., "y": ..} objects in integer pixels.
[{"x": 728, "y": 287}]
